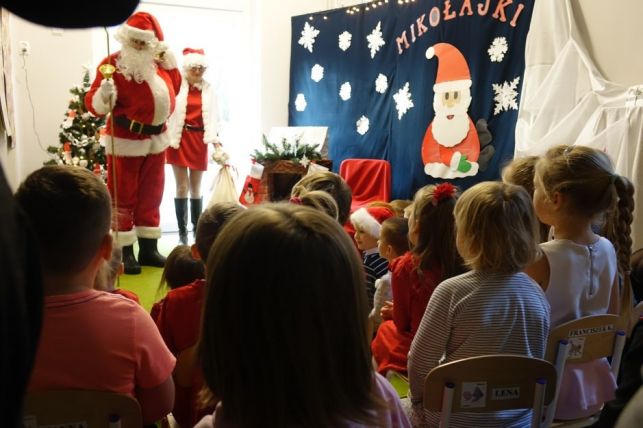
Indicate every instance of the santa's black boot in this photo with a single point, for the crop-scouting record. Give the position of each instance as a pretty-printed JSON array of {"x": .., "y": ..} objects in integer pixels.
[
  {"x": 131, "y": 266},
  {"x": 148, "y": 255},
  {"x": 181, "y": 208},
  {"x": 196, "y": 206}
]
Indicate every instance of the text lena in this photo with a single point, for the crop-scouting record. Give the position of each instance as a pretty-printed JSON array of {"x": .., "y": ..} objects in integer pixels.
[{"x": 449, "y": 11}]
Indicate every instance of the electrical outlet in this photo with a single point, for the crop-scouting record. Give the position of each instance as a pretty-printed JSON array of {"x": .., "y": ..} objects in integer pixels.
[{"x": 25, "y": 48}]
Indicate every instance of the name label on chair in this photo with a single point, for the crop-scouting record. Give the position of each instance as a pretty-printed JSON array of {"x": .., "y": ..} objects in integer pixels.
[
  {"x": 591, "y": 330},
  {"x": 509, "y": 393}
]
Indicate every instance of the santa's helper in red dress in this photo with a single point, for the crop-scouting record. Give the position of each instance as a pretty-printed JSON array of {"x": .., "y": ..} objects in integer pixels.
[
  {"x": 193, "y": 125},
  {"x": 142, "y": 94},
  {"x": 451, "y": 146}
]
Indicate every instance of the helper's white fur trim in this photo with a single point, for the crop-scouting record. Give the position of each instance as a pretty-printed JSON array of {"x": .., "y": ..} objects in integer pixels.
[
  {"x": 208, "y": 105},
  {"x": 97, "y": 101},
  {"x": 192, "y": 59},
  {"x": 125, "y": 237},
  {"x": 128, "y": 148},
  {"x": 178, "y": 117},
  {"x": 440, "y": 170},
  {"x": 148, "y": 232},
  {"x": 453, "y": 85},
  {"x": 361, "y": 219}
]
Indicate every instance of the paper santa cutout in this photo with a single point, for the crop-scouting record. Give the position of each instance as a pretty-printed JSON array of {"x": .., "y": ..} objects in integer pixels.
[{"x": 451, "y": 147}]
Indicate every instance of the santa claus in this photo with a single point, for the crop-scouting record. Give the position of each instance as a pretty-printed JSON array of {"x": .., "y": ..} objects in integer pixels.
[
  {"x": 451, "y": 146},
  {"x": 140, "y": 96}
]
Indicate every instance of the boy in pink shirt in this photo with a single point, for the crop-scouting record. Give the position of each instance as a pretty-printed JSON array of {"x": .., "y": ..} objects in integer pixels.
[{"x": 90, "y": 340}]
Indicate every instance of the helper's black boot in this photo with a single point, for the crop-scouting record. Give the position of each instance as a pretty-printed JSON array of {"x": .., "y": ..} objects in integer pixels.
[
  {"x": 129, "y": 261},
  {"x": 196, "y": 205},
  {"x": 148, "y": 255},
  {"x": 181, "y": 208}
]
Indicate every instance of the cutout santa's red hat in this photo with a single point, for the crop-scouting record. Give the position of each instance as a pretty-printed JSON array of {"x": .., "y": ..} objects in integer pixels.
[
  {"x": 370, "y": 219},
  {"x": 453, "y": 71},
  {"x": 140, "y": 26},
  {"x": 194, "y": 57}
]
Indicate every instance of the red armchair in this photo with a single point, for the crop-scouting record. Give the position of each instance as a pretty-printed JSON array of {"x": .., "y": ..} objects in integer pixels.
[{"x": 369, "y": 180}]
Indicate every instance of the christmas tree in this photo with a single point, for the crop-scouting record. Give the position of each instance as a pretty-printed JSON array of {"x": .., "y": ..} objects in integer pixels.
[{"x": 79, "y": 135}]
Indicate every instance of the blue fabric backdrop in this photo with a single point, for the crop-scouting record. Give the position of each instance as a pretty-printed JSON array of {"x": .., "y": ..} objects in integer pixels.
[{"x": 472, "y": 30}]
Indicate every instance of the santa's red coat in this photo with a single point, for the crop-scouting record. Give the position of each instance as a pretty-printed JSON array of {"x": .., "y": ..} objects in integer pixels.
[{"x": 434, "y": 152}]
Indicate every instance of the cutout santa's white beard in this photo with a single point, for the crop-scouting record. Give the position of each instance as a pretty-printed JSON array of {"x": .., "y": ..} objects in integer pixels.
[
  {"x": 451, "y": 131},
  {"x": 136, "y": 64}
]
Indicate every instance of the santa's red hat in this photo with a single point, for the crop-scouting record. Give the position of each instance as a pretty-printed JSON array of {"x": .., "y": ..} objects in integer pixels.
[
  {"x": 140, "y": 26},
  {"x": 194, "y": 57},
  {"x": 453, "y": 71},
  {"x": 370, "y": 219}
]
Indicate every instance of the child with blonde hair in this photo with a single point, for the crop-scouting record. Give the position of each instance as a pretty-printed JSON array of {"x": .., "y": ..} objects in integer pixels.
[
  {"x": 492, "y": 309},
  {"x": 272, "y": 352},
  {"x": 414, "y": 276},
  {"x": 399, "y": 205},
  {"x": 574, "y": 185},
  {"x": 317, "y": 199}
]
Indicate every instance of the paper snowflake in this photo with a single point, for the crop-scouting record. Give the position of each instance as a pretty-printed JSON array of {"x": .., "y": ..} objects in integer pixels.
[
  {"x": 304, "y": 161},
  {"x": 375, "y": 40},
  {"x": 317, "y": 73},
  {"x": 506, "y": 94},
  {"x": 308, "y": 34},
  {"x": 381, "y": 83},
  {"x": 300, "y": 102},
  {"x": 362, "y": 125},
  {"x": 498, "y": 49},
  {"x": 403, "y": 101},
  {"x": 345, "y": 91},
  {"x": 345, "y": 40}
]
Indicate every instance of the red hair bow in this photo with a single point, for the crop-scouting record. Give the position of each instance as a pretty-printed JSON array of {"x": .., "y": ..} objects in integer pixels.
[{"x": 443, "y": 191}]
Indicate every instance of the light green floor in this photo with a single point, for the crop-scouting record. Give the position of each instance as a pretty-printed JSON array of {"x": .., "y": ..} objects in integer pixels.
[{"x": 146, "y": 284}]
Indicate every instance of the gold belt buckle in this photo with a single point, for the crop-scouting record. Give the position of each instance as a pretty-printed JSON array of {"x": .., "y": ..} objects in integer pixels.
[{"x": 135, "y": 123}]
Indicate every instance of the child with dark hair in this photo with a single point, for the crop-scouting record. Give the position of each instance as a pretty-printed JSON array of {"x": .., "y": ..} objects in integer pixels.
[
  {"x": 271, "y": 351},
  {"x": 179, "y": 316},
  {"x": 91, "y": 340},
  {"x": 493, "y": 309},
  {"x": 181, "y": 268},
  {"x": 414, "y": 276},
  {"x": 393, "y": 243}
]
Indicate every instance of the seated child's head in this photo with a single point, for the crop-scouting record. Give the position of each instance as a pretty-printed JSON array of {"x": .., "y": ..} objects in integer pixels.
[
  {"x": 394, "y": 238},
  {"x": 210, "y": 224},
  {"x": 69, "y": 210},
  {"x": 181, "y": 268},
  {"x": 286, "y": 299},
  {"x": 367, "y": 222},
  {"x": 496, "y": 227},
  {"x": 331, "y": 183},
  {"x": 110, "y": 271},
  {"x": 317, "y": 199},
  {"x": 399, "y": 206},
  {"x": 520, "y": 172}
]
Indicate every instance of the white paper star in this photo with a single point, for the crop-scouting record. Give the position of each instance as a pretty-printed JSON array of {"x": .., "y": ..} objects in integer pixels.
[
  {"x": 317, "y": 73},
  {"x": 403, "y": 101},
  {"x": 300, "y": 102},
  {"x": 381, "y": 83},
  {"x": 506, "y": 94},
  {"x": 304, "y": 161},
  {"x": 308, "y": 34},
  {"x": 345, "y": 40},
  {"x": 375, "y": 40},
  {"x": 345, "y": 91},
  {"x": 362, "y": 125},
  {"x": 498, "y": 49}
]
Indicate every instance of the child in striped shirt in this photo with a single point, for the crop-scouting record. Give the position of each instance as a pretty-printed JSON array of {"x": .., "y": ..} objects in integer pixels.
[{"x": 493, "y": 309}]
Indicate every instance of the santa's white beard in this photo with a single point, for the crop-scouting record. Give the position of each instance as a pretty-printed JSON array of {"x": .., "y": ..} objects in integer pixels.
[
  {"x": 450, "y": 132},
  {"x": 136, "y": 64}
]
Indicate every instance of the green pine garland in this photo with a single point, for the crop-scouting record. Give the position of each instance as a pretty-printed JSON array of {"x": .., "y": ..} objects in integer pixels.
[
  {"x": 293, "y": 152},
  {"x": 79, "y": 132}
]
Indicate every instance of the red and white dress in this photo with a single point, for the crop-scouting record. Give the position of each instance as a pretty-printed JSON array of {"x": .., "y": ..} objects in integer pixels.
[{"x": 194, "y": 124}]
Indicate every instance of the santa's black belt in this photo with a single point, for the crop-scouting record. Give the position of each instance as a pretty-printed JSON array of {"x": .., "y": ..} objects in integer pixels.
[
  {"x": 194, "y": 128},
  {"x": 137, "y": 127}
]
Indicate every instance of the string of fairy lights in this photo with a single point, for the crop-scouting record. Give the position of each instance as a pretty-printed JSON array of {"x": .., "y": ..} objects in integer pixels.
[{"x": 365, "y": 7}]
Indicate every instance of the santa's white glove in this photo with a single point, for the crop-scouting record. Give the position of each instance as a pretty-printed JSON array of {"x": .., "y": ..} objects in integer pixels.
[{"x": 108, "y": 91}]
